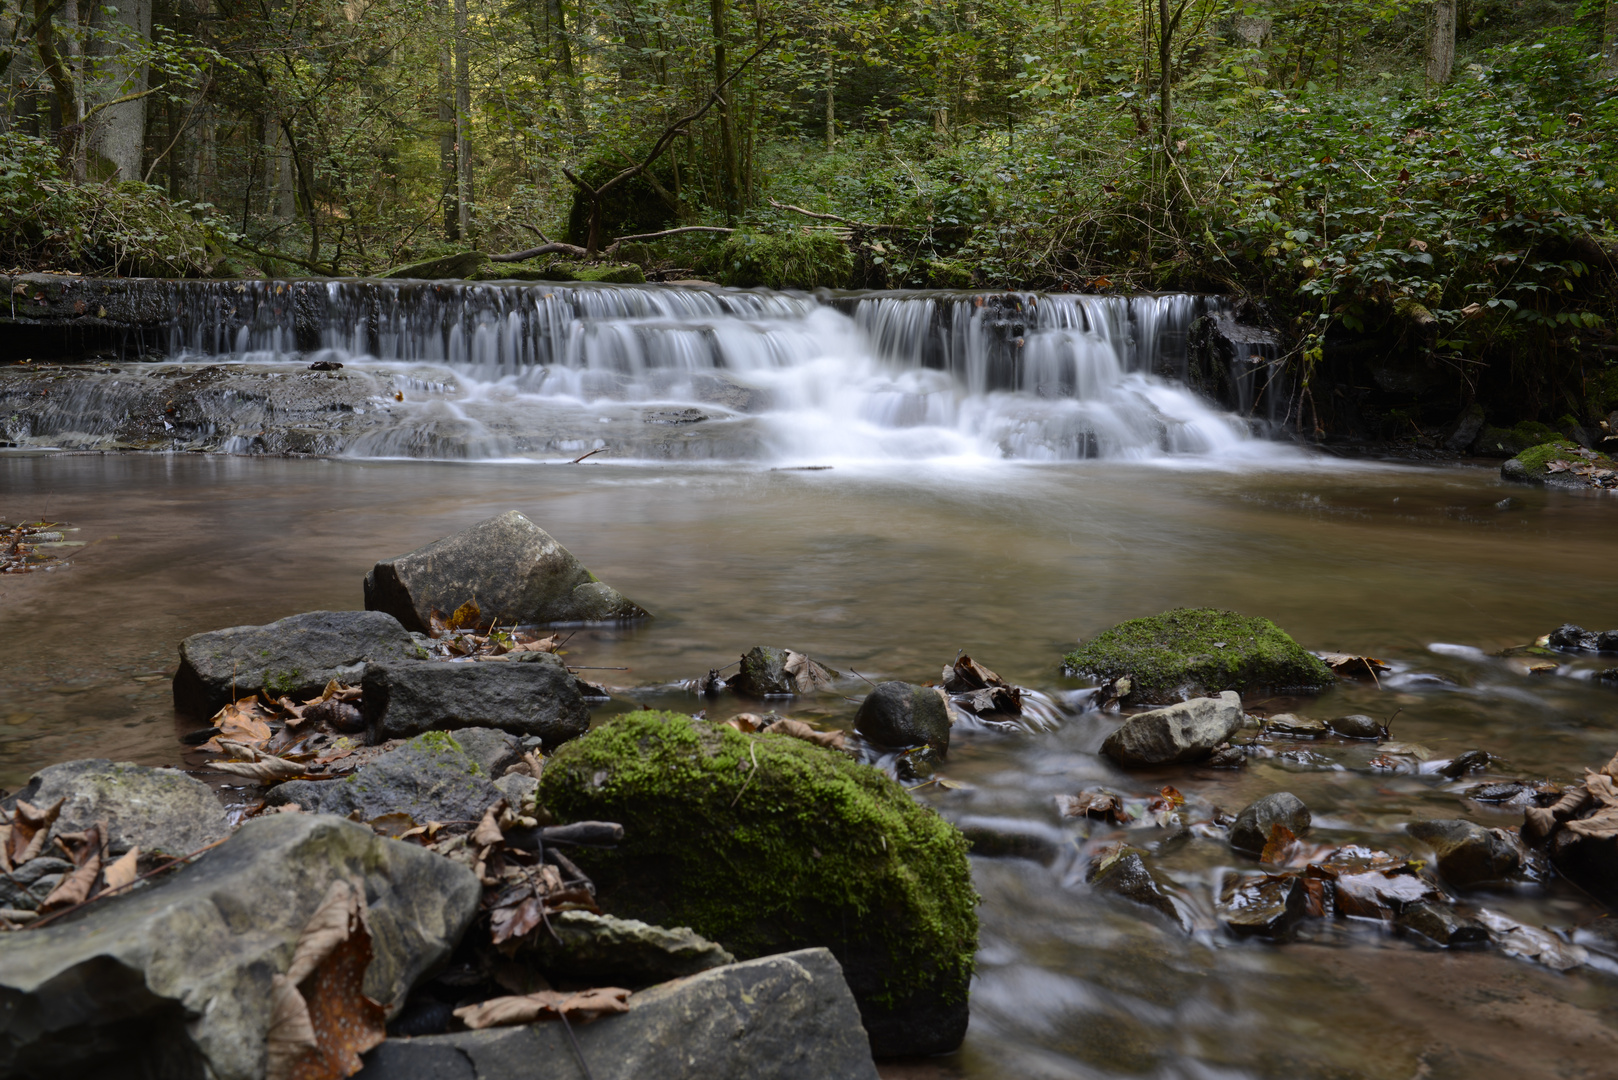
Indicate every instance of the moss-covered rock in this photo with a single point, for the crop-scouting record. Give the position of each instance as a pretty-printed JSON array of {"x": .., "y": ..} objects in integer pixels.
[
  {"x": 1530, "y": 466},
  {"x": 766, "y": 843},
  {"x": 788, "y": 261},
  {"x": 462, "y": 264},
  {"x": 1193, "y": 652},
  {"x": 1508, "y": 442}
]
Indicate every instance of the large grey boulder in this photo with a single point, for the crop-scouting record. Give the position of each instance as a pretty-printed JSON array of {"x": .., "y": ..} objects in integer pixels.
[
  {"x": 1253, "y": 826},
  {"x": 295, "y": 656},
  {"x": 431, "y": 778},
  {"x": 152, "y": 809},
  {"x": 173, "y": 981},
  {"x": 899, "y": 714},
  {"x": 536, "y": 696},
  {"x": 513, "y": 570},
  {"x": 1468, "y": 854},
  {"x": 1178, "y": 734},
  {"x": 603, "y": 950},
  {"x": 785, "y": 1017}
]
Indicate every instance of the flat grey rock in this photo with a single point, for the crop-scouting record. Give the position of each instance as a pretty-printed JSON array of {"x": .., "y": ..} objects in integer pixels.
[
  {"x": 152, "y": 809},
  {"x": 783, "y": 1017},
  {"x": 174, "y": 980},
  {"x": 294, "y": 656},
  {"x": 1177, "y": 734},
  {"x": 514, "y": 571},
  {"x": 431, "y": 778},
  {"x": 530, "y": 697},
  {"x": 605, "y": 950}
]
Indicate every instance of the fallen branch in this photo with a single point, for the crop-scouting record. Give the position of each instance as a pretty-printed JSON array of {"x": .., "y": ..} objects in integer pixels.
[
  {"x": 543, "y": 249},
  {"x": 668, "y": 232},
  {"x": 850, "y": 222},
  {"x": 324, "y": 271},
  {"x": 592, "y": 453}
]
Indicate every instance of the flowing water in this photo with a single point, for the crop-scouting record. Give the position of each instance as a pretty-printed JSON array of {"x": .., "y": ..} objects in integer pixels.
[{"x": 924, "y": 540}]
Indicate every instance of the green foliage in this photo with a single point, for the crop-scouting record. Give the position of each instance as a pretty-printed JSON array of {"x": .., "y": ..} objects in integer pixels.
[
  {"x": 48, "y": 221},
  {"x": 766, "y": 843},
  {"x": 631, "y": 208},
  {"x": 792, "y": 260}
]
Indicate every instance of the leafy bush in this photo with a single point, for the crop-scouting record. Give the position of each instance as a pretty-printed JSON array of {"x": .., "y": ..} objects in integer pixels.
[
  {"x": 47, "y": 221},
  {"x": 794, "y": 260}
]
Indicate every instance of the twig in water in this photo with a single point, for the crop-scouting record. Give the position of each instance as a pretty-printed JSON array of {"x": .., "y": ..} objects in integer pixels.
[
  {"x": 857, "y": 675},
  {"x": 1387, "y": 725},
  {"x": 588, "y": 667},
  {"x": 592, "y": 453},
  {"x": 1372, "y": 669}
]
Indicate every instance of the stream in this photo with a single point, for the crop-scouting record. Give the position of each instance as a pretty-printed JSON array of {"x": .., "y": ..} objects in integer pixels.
[{"x": 914, "y": 537}]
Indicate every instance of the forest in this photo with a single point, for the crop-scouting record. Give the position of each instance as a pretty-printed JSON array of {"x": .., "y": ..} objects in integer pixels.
[{"x": 1433, "y": 179}]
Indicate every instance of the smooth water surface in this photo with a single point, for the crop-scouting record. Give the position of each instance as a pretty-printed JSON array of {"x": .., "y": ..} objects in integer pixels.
[{"x": 891, "y": 571}]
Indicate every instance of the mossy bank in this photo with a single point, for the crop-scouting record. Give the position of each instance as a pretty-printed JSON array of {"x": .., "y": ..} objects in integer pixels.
[{"x": 766, "y": 843}]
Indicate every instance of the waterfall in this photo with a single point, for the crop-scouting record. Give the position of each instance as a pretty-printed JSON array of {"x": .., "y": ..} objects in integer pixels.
[{"x": 536, "y": 369}]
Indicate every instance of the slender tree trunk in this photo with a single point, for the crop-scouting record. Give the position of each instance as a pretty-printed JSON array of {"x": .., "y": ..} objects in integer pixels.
[
  {"x": 117, "y": 133},
  {"x": 1441, "y": 42},
  {"x": 59, "y": 56},
  {"x": 727, "y": 130},
  {"x": 1609, "y": 40},
  {"x": 446, "y": 130},
  {"x": 463, "y": 123},
  {"x": 557, "y": 18},
  {"x": 830, "y": 102},
  {"x": 1165, "y": 70}
]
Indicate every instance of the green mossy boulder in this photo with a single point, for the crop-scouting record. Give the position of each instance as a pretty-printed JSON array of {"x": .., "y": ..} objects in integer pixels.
[
  {"x": 1530, "y": 466},
  {"x": 462, "y": 264},
  {"x": 765, "y": 843},
  {"x": 1197, "y": 652},
  {"x": 791, "y": 260}
]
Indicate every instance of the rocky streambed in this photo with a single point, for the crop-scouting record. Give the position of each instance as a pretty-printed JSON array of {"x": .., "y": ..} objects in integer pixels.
[{"x": 1184, "y": 785}]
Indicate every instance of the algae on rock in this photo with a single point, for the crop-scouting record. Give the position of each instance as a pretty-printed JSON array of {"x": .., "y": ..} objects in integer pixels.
[
  {"x": 1192, "y": 652},
  {"x": 766, "y": 843}
]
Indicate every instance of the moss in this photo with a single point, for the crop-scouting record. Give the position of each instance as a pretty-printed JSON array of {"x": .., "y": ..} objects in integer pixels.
[
  {"x": 1535, "y": 458},
  {"x": 948, "y": 274},
  {"x": 766, "y": 843},
  {"x": 789, "y": 261},
  {"x": 1192, "y": 651},
  {"x": 280, "y": 683},
  {"x": 624, "y": 274}
]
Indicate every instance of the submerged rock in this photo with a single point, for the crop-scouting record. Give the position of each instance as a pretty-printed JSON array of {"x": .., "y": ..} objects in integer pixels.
[
  {"x": 1178, "y": 734},
  {"x": 603, "y": 950},
  {"x": 174, "y": 979},
  {"x": 786, "y": 1017},
  {"x": 767, "y": 672},
  {"x": 511, "y": 569},
  {"x": 431, "y": 778},
  {"x": 1357, "y": 726},
  {"x": 1190, "y": 652},
  {"x": 1469, "y": 854},
  {"x": 764, "y": 843},
  {"x": 1262, "y": 904},
  {"x": 1297, "y": 727},
  {"x": 534, "y": 696},
  {"x": 1121, "y": 871},
  {"x": 295, "y": 656},
  {"x": 1572, "y": 638},
  {"x": 897, "y": 714},
  {"x": 1254, "y": 825},
  {"x": 1011, "y": 838},
  {"x": 1440, "y": 924},
  {"x": 156, "y": 810}
]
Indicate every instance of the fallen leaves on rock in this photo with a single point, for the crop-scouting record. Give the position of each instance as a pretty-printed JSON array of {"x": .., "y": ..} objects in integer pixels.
[
  {"x": 1588, "y": 811},
  {"x": 20, "y": 545},
  {"x": 29, "y": 829},
  {"x": 980, "y": 691},
  {"x": 321, "y": 1021},
  {"x": 582, "y": 1007}
]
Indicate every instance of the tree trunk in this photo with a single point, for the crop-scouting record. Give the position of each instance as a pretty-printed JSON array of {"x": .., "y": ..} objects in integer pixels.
[
  {"x": 117, "y": 134},
  {"x": 1165, "y": 70},
  {"x": 830, "y": 102},
  {"x": 1609, "y": 40},
  {"x": 463, "y": 124},
  {"x": 557, "y": 18},
  {"x": 727, "y": 131},
  {"x": 59, "y": 56},
  {"x": 1441, "y": 42},
  {"x": 446, "y": 130}
]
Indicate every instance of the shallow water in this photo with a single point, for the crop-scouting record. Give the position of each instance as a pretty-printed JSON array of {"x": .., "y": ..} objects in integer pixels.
[{"x": 890, "y": 571}]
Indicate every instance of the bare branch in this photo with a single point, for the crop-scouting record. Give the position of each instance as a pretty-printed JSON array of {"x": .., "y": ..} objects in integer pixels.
[{"x": 670, "y": 232}]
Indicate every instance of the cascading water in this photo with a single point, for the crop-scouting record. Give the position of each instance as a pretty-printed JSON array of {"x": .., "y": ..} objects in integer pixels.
[{"x": 512, "y": 370}]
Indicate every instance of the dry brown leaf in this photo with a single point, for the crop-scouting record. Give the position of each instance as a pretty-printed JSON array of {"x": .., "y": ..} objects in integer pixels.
[
  {"x": 545, "y": 644},
  {"x": 1601, "y": 787},
  {"x": 797, "y": 729},
  {"x": 5, "y": 849},
  {"x": 326, "y": 983},
  {"x": 30, "y": 828},
  {"x": 1558, "y": 466},
  {"x": 267, "y": 770},
  {"x": 581, "y": 1007},
  {"x": 122, "y": 871},
  {"x": 746, "y": 722},
  {"x": 75, "y": 887},
  {"x": 1278, "y": 848},
  {"x": 242, "y": 722},
  {"x": 1095, "y": 804},
  {"x": 392, "y": 825},
  {"x": 807, "y": 676},
  {"x": 488, "y": 833},
  {"x": 1602, "y": 825},
  {"x": 1354, "y": 667}
]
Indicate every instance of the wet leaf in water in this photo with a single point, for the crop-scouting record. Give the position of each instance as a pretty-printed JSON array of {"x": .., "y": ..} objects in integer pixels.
[
  {"x": 580, "y": 1007},
  {"x": 1095, "y": 803},
  {"x": 1354, "y": 667},
  {"x": 1279, "y": 847},
  {"x": 797, "y": 729}
]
